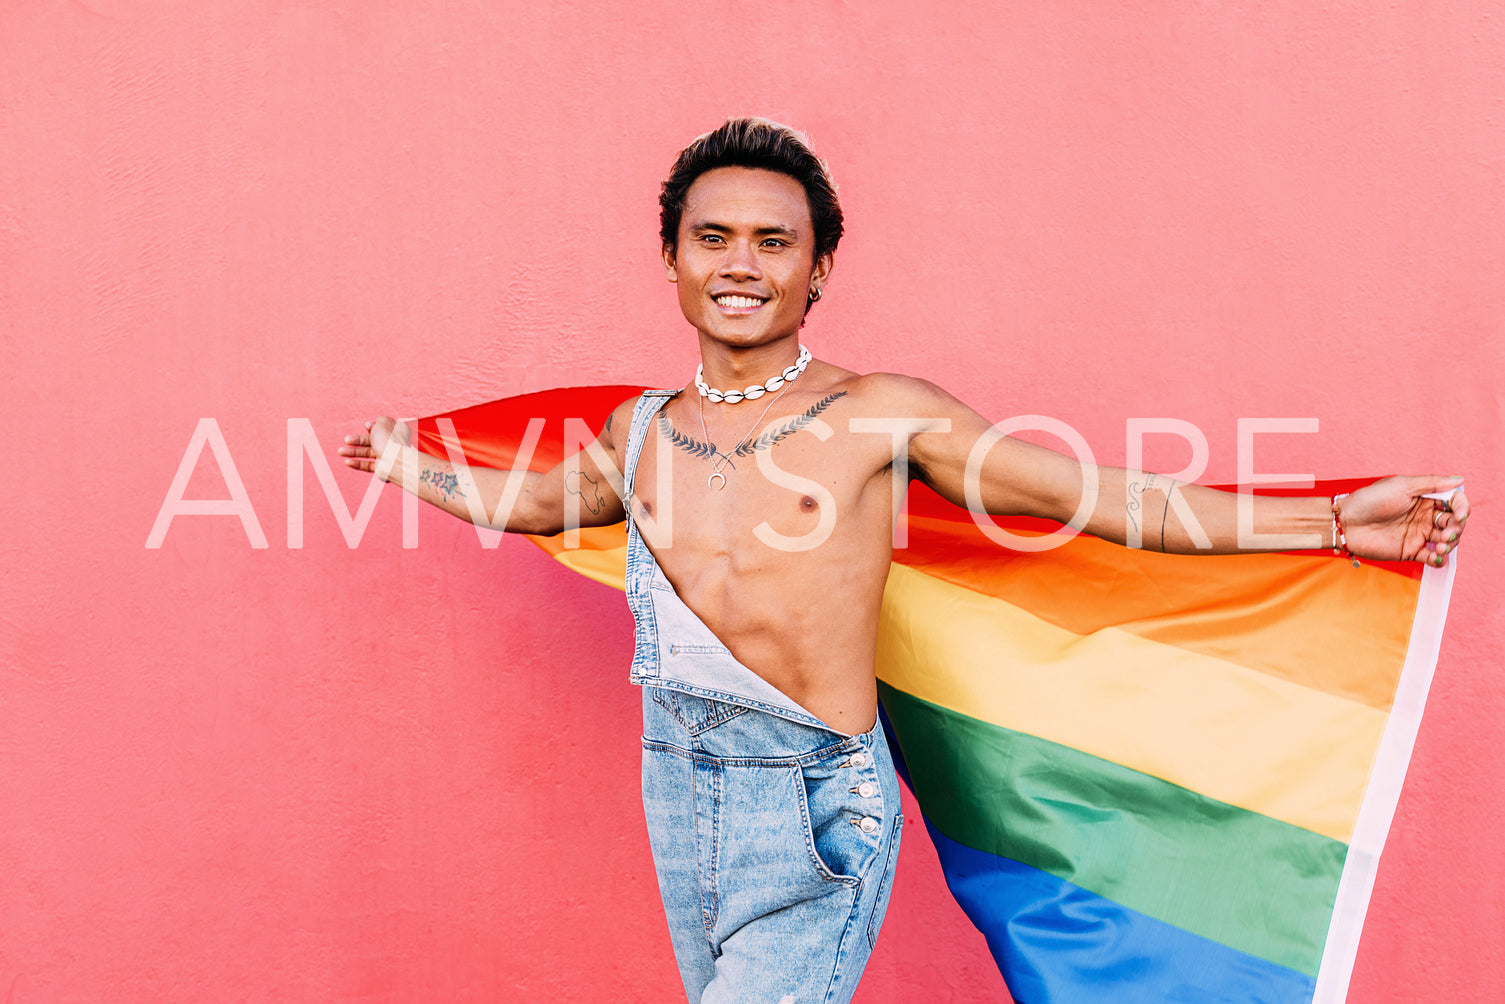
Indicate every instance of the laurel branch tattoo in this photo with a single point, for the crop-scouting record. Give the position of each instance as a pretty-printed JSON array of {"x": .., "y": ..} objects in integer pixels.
[
  {"x": 705, "y": 451},
  {"x": 693, "y": 447},
  {"x": 790, "y": 427}
]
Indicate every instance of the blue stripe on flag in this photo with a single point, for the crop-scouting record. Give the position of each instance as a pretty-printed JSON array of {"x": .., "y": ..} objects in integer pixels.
[{"x": 1059, "y": 944}]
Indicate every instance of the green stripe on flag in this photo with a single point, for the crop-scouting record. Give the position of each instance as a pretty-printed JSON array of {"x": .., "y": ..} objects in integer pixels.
[{"x": 1241, "y": 879}]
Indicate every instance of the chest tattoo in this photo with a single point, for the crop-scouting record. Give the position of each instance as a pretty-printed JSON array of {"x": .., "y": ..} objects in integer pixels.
[{"x": 697, "y": 448}]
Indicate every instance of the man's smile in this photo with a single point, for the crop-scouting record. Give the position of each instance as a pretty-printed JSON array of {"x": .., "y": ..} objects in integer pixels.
[{"x": 738, "y": 303}]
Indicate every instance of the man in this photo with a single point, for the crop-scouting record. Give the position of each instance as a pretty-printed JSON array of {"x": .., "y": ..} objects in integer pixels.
[{"x": 759, "y": 544}]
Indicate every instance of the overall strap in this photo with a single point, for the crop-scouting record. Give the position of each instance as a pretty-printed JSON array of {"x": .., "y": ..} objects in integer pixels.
[{"x": 642, "y": 417}]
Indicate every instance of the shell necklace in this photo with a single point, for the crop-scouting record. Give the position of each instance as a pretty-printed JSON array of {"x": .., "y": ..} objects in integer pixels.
[{"x": 757, "y": 390}]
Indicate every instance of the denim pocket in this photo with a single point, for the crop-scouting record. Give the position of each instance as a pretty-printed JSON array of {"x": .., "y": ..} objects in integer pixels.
[
  {"x": 695, "y": 714},
  {"x": 885, "y": 883},
  {"x": 840, "y": 849}
]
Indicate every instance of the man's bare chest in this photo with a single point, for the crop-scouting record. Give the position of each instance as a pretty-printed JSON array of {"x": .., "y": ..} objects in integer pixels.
[{"x": 789, "y": 482}]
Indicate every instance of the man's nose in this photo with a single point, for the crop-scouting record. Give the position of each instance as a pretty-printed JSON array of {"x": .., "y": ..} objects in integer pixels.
[{"x": 741, "y": 262}]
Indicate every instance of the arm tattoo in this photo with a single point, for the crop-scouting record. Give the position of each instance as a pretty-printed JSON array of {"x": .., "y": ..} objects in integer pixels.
[
  {"x": 607, "y": 426},
  {"x": 578, "y": 483},
  {"x": 447, "y": 485},
  {"x": 1135, "y": 497},
  {"x": 1135, "y": 504},
  {"x": 1164, "y": 511}
]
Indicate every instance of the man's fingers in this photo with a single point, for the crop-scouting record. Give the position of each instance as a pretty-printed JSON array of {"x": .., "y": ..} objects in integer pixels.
[
  {"x": 1442, "y": 524},
  {"x": 1442, "y": 536},
  {"x": 1440, "y": 490},
  {"x": 1426, "y": 484},
  {"x": 357, "y": 452},
  {"x": 1445, "y": 520},
  {"x": 1460, "y": 505}
]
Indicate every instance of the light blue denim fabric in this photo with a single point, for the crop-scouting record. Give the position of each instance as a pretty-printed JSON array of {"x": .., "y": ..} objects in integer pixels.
[
  {"x": 774, "y": 837},
  {"x": 775, "y": 845}
]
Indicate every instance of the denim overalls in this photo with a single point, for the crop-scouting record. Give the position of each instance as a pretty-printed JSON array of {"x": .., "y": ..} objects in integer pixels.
[{"x": 774, "y": 837}]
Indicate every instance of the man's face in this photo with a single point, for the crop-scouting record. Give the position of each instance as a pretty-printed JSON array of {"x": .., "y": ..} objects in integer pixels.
[{"x": 745, "y": 264}]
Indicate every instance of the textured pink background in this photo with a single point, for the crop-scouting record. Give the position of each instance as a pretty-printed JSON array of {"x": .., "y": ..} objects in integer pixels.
[{"x": 385, "y": 775}]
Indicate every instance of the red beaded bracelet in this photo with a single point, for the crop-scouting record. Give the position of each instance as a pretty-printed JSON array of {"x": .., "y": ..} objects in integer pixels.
[{"x": 1340, "y": 542}]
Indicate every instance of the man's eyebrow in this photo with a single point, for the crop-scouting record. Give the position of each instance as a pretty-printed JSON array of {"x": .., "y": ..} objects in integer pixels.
[{"x": 772, "y": 230}]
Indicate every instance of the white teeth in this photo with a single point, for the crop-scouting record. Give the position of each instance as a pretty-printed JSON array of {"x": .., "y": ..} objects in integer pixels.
[{"x": 738, "y": 302}]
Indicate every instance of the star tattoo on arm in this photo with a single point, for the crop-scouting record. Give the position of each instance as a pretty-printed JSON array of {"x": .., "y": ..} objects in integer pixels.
[{"x": 446, "y": 484}]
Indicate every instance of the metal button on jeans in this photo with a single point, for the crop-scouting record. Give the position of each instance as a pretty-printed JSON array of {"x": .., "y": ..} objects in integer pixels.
[
  {"x": 867, "y": 789},
  {"x": 859, "y": 760},
  {"x": 868, "y": 824}
]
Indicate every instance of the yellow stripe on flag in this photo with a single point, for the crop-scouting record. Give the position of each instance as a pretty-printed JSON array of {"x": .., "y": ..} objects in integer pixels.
[
  {"x": 602, "y": 554},
  {"x": 1307, "y": 618},
  {"x": 1257, "y": 741}
]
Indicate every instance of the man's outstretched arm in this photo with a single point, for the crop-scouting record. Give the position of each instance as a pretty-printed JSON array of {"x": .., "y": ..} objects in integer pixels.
[
  {"x": 1390, "y": 519},
  {"x": 585, "y": 486}
]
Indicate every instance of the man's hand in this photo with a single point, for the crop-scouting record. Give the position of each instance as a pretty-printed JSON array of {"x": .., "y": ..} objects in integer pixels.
[
  {"x": 578, "y": 491},
  {"x": 1392, "y": 519},
  {"x": 363, "y": 451}
]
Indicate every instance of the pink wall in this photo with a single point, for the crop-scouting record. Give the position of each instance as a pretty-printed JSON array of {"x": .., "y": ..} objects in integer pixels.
[{"x": 380, "y": 774}]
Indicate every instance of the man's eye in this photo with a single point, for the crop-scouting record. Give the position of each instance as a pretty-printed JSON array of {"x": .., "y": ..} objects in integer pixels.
[
  {"x": 710, "y": 239},
  {"x": 774, "y": 242}
]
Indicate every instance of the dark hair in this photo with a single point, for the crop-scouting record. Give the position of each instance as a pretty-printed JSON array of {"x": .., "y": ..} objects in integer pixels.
[{"x": 753, "y": 142}]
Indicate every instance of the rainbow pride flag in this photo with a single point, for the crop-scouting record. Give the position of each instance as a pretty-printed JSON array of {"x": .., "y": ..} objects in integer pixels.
[{"x": 1149, "y": 777}]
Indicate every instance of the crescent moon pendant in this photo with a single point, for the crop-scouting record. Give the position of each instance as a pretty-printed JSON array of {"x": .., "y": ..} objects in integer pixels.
[{"x": 711, "y": 481}]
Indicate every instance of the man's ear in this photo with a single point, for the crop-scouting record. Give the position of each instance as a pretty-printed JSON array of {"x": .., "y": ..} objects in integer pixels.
[
  {"x": 822, "y": 270},
  {"x": 668, "y": 253}
]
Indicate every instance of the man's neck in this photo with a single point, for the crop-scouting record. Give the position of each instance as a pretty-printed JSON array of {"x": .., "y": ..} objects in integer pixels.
[{"x": 730, "y": 367}]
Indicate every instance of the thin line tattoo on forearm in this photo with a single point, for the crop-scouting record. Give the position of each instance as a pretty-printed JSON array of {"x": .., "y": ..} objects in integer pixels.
[
  {"x": 1174, "y": 485},
  {"x": 1135, "y": 503},
  {"x": 446, "y": 484},
  {"x": 698, "y": 448},
  {"x": 587, "y": 488}
]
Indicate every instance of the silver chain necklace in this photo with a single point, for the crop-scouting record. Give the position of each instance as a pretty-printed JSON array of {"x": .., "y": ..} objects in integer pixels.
[{"x": 726, "y": 458}]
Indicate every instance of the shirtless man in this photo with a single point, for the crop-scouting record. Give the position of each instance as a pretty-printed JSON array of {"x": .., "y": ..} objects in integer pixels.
[{"x": 772, "y": 805}]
